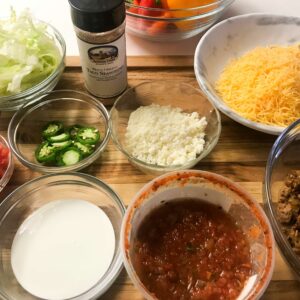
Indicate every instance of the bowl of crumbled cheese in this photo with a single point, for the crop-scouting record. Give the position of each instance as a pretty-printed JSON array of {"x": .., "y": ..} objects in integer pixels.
[
  {"x": 163, "y": 126},
  {"x": 249, "y": 67}
]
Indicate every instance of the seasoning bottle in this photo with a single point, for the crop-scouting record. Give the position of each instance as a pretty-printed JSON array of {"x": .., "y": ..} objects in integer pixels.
[{"x": 100, "y": 29}]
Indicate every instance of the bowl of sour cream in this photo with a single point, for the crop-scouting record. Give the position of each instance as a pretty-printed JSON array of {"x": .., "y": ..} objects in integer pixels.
[{"x": 59, "y": 238}]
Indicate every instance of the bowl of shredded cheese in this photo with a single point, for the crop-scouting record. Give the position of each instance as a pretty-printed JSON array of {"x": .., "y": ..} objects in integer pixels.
[
  {"x": 162, "y": 126},
  {"x": 249, "y": 67}
]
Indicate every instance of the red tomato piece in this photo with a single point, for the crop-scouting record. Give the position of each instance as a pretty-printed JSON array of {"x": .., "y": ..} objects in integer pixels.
[
  {"x": 4, "y": 158},
  {"x": 4, "y": 152},
  {"x": 4, "y": 161}
]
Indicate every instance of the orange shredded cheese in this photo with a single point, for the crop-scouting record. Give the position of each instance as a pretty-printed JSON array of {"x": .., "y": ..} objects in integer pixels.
[{"x": 264, "y": 85}]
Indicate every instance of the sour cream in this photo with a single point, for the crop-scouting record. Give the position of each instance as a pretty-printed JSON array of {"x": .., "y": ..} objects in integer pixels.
[{"x": 63, "y": 249}]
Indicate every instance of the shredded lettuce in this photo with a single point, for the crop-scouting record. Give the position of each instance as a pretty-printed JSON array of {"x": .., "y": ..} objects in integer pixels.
[{"x": 28, "y": 54}]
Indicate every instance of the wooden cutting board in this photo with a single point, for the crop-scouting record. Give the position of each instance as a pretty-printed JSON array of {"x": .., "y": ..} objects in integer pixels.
[{"x": 240, "y": 155}]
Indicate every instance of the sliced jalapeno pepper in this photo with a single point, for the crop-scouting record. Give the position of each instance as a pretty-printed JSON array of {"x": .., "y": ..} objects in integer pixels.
[
  {"x": 86, "y": 149},
  {"x": 59, "y": 138},
  {"x": 88, "y": 135},
  {"x": 45, "y": 153},
  {"x": 62, "y": 145},
  {"x": 69, "y": 156},
  {"x": 52, "y": 128},
  {"x": 73, "y": 130}
]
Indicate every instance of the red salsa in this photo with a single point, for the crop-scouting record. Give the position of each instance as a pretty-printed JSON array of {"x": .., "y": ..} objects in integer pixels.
[{"x": 190, "y": 249}]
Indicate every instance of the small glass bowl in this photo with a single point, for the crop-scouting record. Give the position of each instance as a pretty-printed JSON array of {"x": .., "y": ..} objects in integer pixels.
[
  {"x": 160, "y": 24},
  {"x": 14, "y": 102},
  {"x": 215, "y": 189},
  {"x": 10, "y": 167},
  {"x": 69, "y": 107},
  {"x": 34, "y": 194},
  {"x": 283, "y": 158},
  {"x": 175, "y": 94}
]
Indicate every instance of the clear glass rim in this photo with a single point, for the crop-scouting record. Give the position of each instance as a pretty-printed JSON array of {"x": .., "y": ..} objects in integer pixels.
[
  {"x": 108, "y": 280},
  {"x": 13, "y": 100},
  {"x": 289, "y": 254},
  {"x": 8, "y": 172},
  {"x": 221, "y": 5},
  {"x": 190, "y": 163},
  {"x": 36, "y": 103}
]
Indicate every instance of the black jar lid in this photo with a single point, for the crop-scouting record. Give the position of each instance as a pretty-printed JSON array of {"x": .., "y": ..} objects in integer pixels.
[{"x": 97, "y": 15}]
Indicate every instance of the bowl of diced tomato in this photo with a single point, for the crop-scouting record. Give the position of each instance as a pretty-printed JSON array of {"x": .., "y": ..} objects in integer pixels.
[
  {"x": 6, "y": 163},
  {"x": 172, "y": 20}
]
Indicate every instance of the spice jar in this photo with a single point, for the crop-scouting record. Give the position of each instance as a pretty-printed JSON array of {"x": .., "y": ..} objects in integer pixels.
[{"x": 100, "y": 29}]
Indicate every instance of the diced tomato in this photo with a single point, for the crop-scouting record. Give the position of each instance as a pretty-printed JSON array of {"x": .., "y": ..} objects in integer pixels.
[
  {"x": 4, "y": 159},
  {"x": 4, "y": 152}
]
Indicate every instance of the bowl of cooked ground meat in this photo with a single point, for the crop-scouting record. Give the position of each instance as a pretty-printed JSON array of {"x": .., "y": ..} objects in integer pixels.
[{"x": 282, "y": 194}]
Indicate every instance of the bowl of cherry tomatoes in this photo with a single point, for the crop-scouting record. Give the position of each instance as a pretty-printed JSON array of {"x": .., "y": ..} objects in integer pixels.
[
  {"x": 6, "y": 163},
  {"x": 172, "y": 20}
]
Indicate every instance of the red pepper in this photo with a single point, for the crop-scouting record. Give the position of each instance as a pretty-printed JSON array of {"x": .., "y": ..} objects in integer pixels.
[
  {"x": 150, "y": 4},
  {"x": 144, "y": 24},
  {"x": 159, "y": 27},
  {"x": 134, "y": 10}
]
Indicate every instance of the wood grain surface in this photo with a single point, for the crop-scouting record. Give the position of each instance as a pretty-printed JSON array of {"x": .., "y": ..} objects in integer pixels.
[{"x": 240, "y": 155}]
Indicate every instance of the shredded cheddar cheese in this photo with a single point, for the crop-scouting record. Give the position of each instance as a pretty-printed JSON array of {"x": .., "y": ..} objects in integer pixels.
[{"x": 264, "y": 85}]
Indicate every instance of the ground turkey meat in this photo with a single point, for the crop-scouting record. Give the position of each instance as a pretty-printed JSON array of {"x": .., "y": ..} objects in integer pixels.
[{"x": 288, "y": 209}]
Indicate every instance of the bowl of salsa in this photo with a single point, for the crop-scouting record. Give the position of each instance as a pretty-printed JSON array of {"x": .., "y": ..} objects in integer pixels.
[{"x": 193, "y": 235}]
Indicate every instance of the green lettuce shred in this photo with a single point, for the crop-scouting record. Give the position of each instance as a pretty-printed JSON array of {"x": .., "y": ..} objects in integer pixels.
[{"x": 28, "y": 54}]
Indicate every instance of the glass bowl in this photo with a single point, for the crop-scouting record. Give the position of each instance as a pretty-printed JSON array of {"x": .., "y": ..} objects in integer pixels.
[
  {"x": 14, "y": 102},
  {"x": 161, "y": 24},
  {"x": 230, "y": 39},
  {"x": 10, "y": 167},
  {"x": 215, "y": 189},
  {"x": 32, "y": 195},
  {"x": 69, "y": 107},
  {"x": 283, "y": 158},
  {"x": 175, "y": 94}
]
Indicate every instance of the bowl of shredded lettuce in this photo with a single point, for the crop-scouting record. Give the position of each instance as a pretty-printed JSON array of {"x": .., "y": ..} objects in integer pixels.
[{"x": 32, "y": 56}]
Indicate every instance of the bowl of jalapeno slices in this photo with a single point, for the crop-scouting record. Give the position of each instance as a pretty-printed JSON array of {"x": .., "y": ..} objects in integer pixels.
[{"x": 59, "y": 131}]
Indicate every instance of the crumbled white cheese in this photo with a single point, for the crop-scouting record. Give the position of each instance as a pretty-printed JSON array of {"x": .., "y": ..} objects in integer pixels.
[{"x": 165, "y": 135}]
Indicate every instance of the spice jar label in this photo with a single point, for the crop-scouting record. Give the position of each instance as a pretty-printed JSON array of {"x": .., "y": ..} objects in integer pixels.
[{"x": 104, "y": 67}]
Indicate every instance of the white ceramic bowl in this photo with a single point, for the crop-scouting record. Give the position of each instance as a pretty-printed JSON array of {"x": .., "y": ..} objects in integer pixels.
[{"x": 230, "y": 39}]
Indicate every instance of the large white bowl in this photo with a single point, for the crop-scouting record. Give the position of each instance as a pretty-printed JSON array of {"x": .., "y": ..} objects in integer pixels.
[{"x": 230, "y": 39}]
